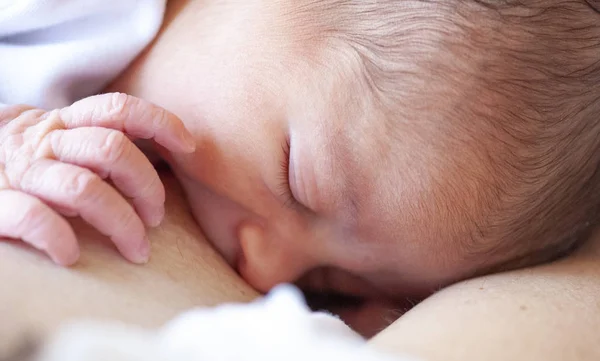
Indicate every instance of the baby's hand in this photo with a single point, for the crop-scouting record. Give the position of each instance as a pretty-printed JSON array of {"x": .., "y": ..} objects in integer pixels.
[{"x": 56, "y": 164}]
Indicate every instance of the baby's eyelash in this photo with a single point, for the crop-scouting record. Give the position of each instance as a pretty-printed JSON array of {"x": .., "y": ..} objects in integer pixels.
[{"x": 285, "y": 192}]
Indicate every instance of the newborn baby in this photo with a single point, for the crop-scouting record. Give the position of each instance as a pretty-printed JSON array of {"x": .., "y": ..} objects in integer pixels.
[{"x": 385, "y": 149}]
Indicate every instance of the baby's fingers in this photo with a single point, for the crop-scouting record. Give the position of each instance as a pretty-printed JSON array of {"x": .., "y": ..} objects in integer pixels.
[
  {"x": 111, "y": 154},
  {"x": 84, "y": 193},
  {"x": 132, "y": 116},
  {"x": 25, "y": 217}
]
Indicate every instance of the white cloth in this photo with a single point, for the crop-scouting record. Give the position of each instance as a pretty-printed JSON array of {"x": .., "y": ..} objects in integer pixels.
[
  {"x": 54, "y": 52},
  {"x": 275, "y": 328}
]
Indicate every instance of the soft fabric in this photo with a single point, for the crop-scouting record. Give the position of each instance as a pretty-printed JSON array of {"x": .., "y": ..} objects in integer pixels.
[
  {"x": 54, "y": 52},
  {"x": 277, "y": 327}
]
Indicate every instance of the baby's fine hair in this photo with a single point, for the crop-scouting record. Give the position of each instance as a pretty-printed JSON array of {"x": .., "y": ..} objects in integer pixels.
[{"x": 515, "y": 83}]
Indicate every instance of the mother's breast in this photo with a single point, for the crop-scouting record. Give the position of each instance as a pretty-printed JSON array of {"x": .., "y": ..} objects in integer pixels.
[{"x": 184, "y": 272}]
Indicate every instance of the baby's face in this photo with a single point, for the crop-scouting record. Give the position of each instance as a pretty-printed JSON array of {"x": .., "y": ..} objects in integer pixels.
[{"x": 301, "y": 176}]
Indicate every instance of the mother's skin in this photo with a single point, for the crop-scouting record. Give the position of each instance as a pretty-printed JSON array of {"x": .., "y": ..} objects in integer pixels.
[
  {"x": 549, "y": 312},
  {"x": 36, "y": 295}
]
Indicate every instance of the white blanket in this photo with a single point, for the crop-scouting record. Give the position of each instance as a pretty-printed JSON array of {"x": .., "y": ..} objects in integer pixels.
[
  {"x": 54, "y": 52},
  {"x": 278, "y": 327}
]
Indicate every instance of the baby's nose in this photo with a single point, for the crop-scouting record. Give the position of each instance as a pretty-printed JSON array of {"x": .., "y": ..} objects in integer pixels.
[{"x": 267, "y": 262}]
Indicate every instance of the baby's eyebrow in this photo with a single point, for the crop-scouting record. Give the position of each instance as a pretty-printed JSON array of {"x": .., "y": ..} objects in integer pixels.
[
  {"x": 347, "y": 202},
  {"x": 352, "y": 209},
  {"x": 346, "y": 190}
]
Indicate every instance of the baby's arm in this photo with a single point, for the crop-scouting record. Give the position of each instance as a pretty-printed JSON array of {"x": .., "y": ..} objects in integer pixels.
[{"x": 55, "y": 164}]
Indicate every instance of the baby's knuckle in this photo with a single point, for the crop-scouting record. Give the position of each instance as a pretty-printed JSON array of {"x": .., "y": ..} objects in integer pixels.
[
  {"x": 114, "y": 146},
  {"x": 53, "y": 119},
  {"x": 82, "y": 185},
  {"x": 10, "y": 112},
  {"x": 153, "y": 188},
  {"x": 130, "y": 223},
  {"x": 20, "y": 122},
  {"x": 11, "y": 145},
  {"x": 162, "y": 116},
  {"x": 33, "y": 215},
  {"x": 119, "y": 105},
  {"x": 32, "y": 116}
]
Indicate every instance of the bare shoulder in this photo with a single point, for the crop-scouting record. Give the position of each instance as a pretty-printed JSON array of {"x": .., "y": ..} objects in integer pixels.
[
  {"x": 549, "y": 312},
  {"x": 184, "y": 272}
]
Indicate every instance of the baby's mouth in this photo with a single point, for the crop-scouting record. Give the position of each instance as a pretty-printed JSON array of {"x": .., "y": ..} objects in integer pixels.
[
  {"x": 325, "y": 300},
  {"x": 364, "y": 307},
  {"x": 367, "y": 316}
]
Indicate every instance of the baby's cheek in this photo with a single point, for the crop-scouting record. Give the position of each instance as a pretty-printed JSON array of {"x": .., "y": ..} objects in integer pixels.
[
  {"x": 217, "y": 216},
  {"x": 373, "y": 316}
]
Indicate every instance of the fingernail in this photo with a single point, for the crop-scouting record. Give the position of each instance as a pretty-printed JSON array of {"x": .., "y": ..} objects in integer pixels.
[
  {"x": 144, "y": 252},
  {"x": 157, "y": 218},
  {"x": 188, "y": 141},
  {"x": 73, "y": 256},
  {"x": 68, "y": 260}
]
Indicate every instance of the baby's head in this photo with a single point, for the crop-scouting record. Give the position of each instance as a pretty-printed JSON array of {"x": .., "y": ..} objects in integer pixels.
[{"x": 391, "y": 147}]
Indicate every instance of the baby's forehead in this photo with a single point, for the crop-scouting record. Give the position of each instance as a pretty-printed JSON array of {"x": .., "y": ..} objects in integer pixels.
[
  {"x": 384, "y": 156},
  {"x": 389, "y": 174},
  {"x": 467, "y": 116}
]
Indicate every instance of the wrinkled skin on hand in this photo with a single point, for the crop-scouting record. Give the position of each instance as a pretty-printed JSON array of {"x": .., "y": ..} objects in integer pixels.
[{"x": 81, "y": 161}]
